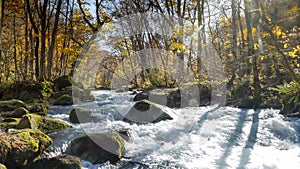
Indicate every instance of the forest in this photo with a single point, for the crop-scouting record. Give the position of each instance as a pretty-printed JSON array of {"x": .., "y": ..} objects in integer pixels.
[
  {"x": 149, "y": 84},
  {"x": 257, "y": 42}
]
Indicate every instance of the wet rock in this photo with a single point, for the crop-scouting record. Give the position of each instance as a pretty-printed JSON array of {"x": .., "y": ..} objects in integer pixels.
[
  {"x": 45, "y": 124},
  {"x": 38, "y": 108},
  {"x": 124, "y": 133},
  {"x": 99, "y": 147},
  {"x": 161, "y": 97},
  {"x": 59, "y": 162},
  {"x": 63, "y": 100},
  {"x": 185, "y": 96},
  {"x": 62, "y": 82},
  {"x": 146, "y": 112},
  {"x": 72, "y": 94},
  {"x": 9, "y": 123},
  {"x": 18, "y": 113},
  {"x": 80, "y": 115},
  {"x": 10, "y": 105},
  {"x": 19, "y": 148}
]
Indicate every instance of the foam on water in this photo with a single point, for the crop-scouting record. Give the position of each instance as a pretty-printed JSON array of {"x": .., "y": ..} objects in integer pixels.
[{"x": 199, "y": 137}]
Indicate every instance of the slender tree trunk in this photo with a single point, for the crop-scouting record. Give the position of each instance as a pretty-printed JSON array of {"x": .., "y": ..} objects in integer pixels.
[
  {"x": 36, "y": 39},
  {"x": 15, "y": 49},
  {"x": 200, "y": 13},
  {"x": 251, "y": 52},
  {"x": 234, "y": 43},
  {"x": 1, "y": 24},
  {"x": 53, "y": 40},
  {"x": 43, "y": 18},
  {"x": 26, "y": 59}
]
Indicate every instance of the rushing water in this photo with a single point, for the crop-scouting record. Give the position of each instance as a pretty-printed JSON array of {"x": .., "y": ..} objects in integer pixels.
[{"x": 198, "y": 137}]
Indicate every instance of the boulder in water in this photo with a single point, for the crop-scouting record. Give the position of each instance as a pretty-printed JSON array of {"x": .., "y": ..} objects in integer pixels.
[
  {"x": 72, "y": 94},
  {"x": 45, "y": 124},
  {"x": 99, "y": 147},
  {"x": 63, "y": 100},
  {"x": 80, "y": 115},
  {"x": 19, "y": 148},
  {"x": 60, "y": 162},
  {"x": 10, "y": 105},
  {"x": 146, "y": 112}
]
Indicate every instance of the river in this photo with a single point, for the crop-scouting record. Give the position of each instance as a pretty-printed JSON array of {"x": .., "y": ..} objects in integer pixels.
[{"x": 199, "y": 137}]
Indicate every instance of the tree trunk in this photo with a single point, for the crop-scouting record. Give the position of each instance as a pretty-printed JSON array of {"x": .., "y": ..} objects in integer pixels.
[
  {"x": 251, "y": 52},
  {"x": 43, "y": 19},
  {"x": 53, "y": 40},
  {"x": 1, "y": 24}
]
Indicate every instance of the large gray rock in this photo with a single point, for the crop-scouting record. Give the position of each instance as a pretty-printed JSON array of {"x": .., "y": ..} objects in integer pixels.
[
  {"x": 147, "y": 112},
  {"x": 98, "y": 148},
  {"x": 80, "y": 115}
]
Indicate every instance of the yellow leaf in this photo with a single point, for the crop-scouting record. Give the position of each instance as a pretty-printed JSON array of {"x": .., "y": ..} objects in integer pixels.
[
  {"x": 286, "y": 45},
  {"x": 256, "y": 46}
]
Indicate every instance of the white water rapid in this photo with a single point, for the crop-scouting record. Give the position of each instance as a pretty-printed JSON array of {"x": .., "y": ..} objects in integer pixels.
[{"x": 199, "y": 137}]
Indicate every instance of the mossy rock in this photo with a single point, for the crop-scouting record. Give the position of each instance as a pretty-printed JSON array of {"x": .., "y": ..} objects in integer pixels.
[
  {"x": 63, "y": 100},
  {"x": 2, "y": 166},
  {"x": 10, "y": 105},
  {"x": 99, "y": 147},
  {"x": 19, "y": 148},
  {"x": 62, "y": 82},
  {"x": 45, "y": 124},
  {"x": 59, "y": 162},
  {"x": 71, "y": 94},
  {"x": 38, "y": 108},
  {"x": 28, "y": 92},
  {"x": 18, "y": 113},
  {"x": 9, "y": 123},
  {"x": 80, "y": 115},
  {"x": 146, "y": 112}
]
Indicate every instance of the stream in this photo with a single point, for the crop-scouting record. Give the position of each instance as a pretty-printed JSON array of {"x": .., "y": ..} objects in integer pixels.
[{"x": 209, "y": 137}]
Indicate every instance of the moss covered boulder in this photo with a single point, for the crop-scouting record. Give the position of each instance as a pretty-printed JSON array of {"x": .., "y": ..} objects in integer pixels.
[
  {"x": 71, "y": 94},
  {"x": 80, "y": 115},
  {"x": 45, "y": 124},
  {"x": 62, "y": 82},
  {"x": 20, "y": 148},
  {"x": 63, "y": 100},
  {"x": 98, "y": 148},
  {"x": 59, "y": 162},
  {"x": 146, "y": 112},
  {"x": 18, "y": 113},
  {"x": 38, "y": 108},
  {"x": 9, "y": 123},
  {"x": 10, "y": 105},
  {"x": 28, "y": 92}
]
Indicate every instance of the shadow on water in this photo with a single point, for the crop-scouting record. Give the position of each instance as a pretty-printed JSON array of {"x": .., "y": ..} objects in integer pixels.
[
  {"x": 232, "y": 139},
  {"x": 202, "y": 119},
  {"x": 251, "y": 140}
]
